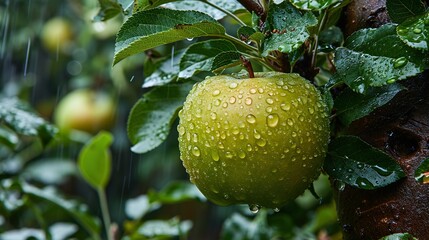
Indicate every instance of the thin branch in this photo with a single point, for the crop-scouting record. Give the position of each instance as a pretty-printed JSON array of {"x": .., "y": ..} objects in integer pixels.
[{"x": 254, "y": 6}]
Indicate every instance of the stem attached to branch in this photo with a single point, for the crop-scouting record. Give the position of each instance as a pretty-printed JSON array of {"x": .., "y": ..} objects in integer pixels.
[{"x": 248, "y": 65}]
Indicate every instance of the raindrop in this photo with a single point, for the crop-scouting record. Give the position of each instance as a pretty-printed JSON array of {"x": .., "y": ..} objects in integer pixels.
[
  {"x": 233, "y": 85},
  {"x": 196, "y": 151},
  {"x": 261, "y": 142},
  {"x": 340, "y": 185},
  {"x": 400, "y": 62},
  {"x": 311, "y": 110},
  {"x": 276, "y": 209},
  {"x": 254, "y": 208},
  {"x": 289, "y": 122},
  {"x": 256, "y": 134},
  {"x": 250, "y": 118},
  {"x": 241, "y": 154},
  {"x": 213, "y": 115},
  {"x": 216, "y": 92},
  {"x": 232, "y": 100},
  {"x": 285, "y": 106},
  {"x": 417, "y": 30},
  {"x": 272, "y": 120},
  {"x": 248, "y": 101},
  {"x": 225, "y": 105},
  {"x": 269, "y": 109},
  {"x": 181, "y": 130},
  {"x": 217, "y": 102},
  {"x": 382, "y": 171},
  {"x": 252, "y": 91},
  {"x": 391, "y": 80},
  {"x": 226, "y": 196},
  {"x": 189, "y": 39},
  {"x": 215, "y": 155},
  {"x": 280, "y": 82},
  {"x": 269, "y": 100}
]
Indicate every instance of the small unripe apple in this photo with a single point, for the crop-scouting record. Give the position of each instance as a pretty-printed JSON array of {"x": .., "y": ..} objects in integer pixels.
[
  {"x": 85, "y": 110},
  {"x": 57, "y": 34}
]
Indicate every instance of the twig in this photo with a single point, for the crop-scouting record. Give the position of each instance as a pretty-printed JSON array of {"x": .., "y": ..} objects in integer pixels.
[{"x": 248, "y": 65}]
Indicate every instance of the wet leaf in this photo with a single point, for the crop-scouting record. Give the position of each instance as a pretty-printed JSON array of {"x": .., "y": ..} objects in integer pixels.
[
  {"x": 399, "y": 236},
  {"x": 163, "y": 229},
  {"x": 108, "y": 10},
  {"x": 400, "y": 10},
  {"x": 330, "y": 39},
  {"x": 136, "y": 208},
  {"x": 95, "y": 160},
  {"x": 18, "y": 116},
  {"x": 313, "y": 5},
  {"x": 422, "y": 172},
  {"x": 77, "y": 211},
  {"x": 50, "y": 170},
  {"x": 415, "y": 31},
  {"x": 140, "y": 5},
  {"x": 356, "y": 163},
  {"x": 200, "y": 6},
  {"x": 287, "y": 27},
  {"x": 380, "y": 42},
  {"x": 351, "y": 106},
  {"x": 152, "y": 116},
  {"x": 361, "y": 71},
  {"x": 8, "y": 137},
  {"x": 155, "y": 27},
  {"x": 165, "y": 73},
  {"x": 176, "y": 192},
  {"x": 200, "y": 56}
]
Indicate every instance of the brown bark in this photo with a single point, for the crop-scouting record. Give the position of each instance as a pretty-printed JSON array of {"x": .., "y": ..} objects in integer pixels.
[{"x": 400, "y": 129}]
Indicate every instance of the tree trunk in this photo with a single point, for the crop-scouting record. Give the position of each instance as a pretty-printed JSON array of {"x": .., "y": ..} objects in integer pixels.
[{"x": 401, "y": 129}]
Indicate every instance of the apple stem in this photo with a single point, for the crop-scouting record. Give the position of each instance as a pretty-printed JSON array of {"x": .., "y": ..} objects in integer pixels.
[{"x": 248, "y": 65}]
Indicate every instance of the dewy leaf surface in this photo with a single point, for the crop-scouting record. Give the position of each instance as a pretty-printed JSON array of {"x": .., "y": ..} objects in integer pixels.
[
  {"x": 155, "y": 27},
  {"x": 289, "y": 26},
  {"x": 200, "y": 56},
  {"x": 415, "y": 32},
  {"x": 356, "y": 163},
  {"x": 313, "y": 5},
  {"x": 400, "y": 10},
  {"x": 151, "y": 118},
  {"x": 422, "y": 172},
  {"x": 18, "y": 116},
  {"x": 351, "y": 106}
]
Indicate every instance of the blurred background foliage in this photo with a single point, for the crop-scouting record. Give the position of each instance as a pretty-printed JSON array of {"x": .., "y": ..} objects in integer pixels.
[{"x": 42, "y": 193}]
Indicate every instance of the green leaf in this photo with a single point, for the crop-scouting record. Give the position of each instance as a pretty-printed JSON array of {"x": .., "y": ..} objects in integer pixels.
[
  {"x": 330, "y": 39},
  {"x": 288, "y": 27},
  {"x": 138, "y": 207},
  {"x": 8, "y": 137},
  {"x": 351, "y": 106},
  {"x": 77, "y": 211},
  {"x": 18, "y": 116},
  {"x": 361, "y": 71},
  {"x": 379, "y": 42},
  {"x": 422, "y": 172},
  {"x": 95, "y": 160},
  {"x": 200, "y": 56},
  {"x": 356, "y": 163},
  {"x": 400, "y": 10},
  {"x": 166, "y": 71},
  {"x": 313, "y": 5},
  {"x": 50, "y": 171},
  {"x": 176, "y": 192},
  {"x": 151, "y": 118},
  {"x": 415, "y": 31},
  {"x": 108, "y": 10},
  {"x": 155, "y": 27},
  {"x": 399, "y": 236},
  {"x": 163, "y": 229},
  {"x": 202, "y": 6},
  {"x": 140, "y": 5}
]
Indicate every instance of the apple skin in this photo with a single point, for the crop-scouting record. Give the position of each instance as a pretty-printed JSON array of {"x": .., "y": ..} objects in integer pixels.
[
  {"x": 259, "y": 141},
  {"x": 85, "y": 110},
  {"x": 57, "y": 35}
]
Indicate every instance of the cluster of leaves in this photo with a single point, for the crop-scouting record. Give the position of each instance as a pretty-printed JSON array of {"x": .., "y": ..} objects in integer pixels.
[{"x": 370, "y": 62}]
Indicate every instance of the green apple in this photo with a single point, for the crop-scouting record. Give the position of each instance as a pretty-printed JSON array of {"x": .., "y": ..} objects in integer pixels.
[
  {"x": 259, "y": 141},
  {"x": 57, "y": 34},
  {"x": 85, "y": 110}
]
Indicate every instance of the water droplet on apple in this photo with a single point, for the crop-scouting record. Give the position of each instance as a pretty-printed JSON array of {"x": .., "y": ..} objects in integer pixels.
[
  {"x": 215, "y": 155},
  {"x": 232, "y": 100},
  {"x": 248, "y": 101},
  {"x": 250, "y": 118},
  {"x": 216, "y": 92},
  {"x": 254, "y": 208},
  {"x": 196, "y": 151},
  {"x": 272, "y": 120}
]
